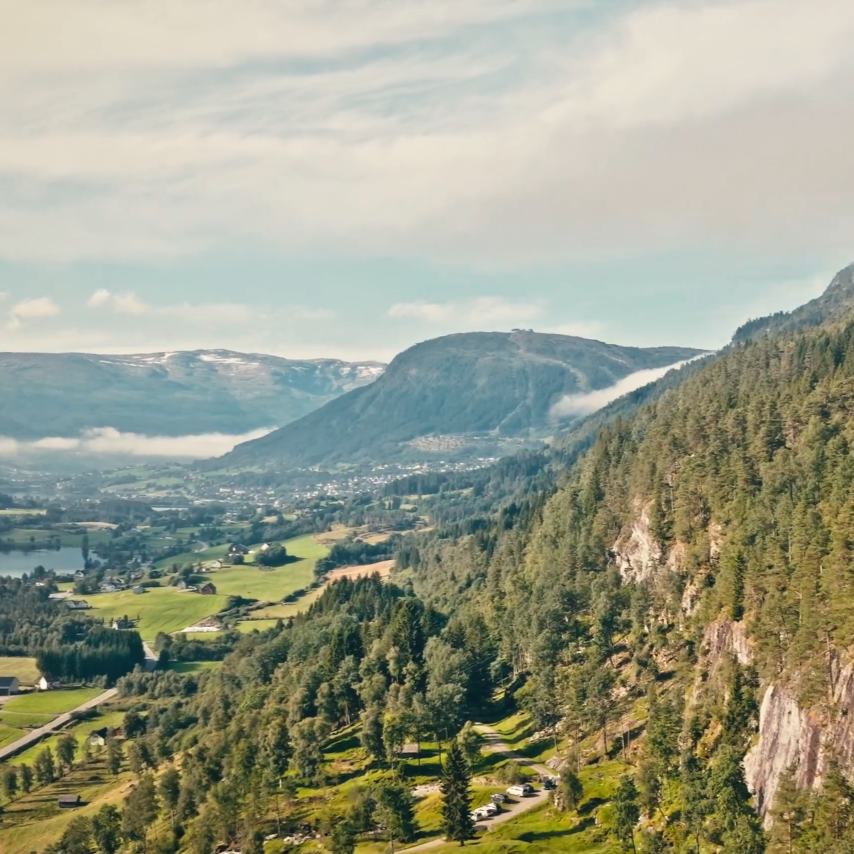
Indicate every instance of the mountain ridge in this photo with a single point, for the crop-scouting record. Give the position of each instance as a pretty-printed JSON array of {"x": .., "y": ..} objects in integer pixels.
[
  {"x": 496, "y": 383},
  {"x": 166, "y": 393}
]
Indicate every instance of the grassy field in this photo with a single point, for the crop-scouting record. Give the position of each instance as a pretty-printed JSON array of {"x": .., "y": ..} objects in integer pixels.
[
  {"x": 24, "y": 668},
  {"x": 80, "y": 731},
  {"x": 161, "y": 609},
  {"x": 248, "y": 626},
  {"x": 32, "y": 821},
  {"x": 31, "y": 710},
  {"x": 194, "y": 666},
  {"x": 8, "y": 734}
]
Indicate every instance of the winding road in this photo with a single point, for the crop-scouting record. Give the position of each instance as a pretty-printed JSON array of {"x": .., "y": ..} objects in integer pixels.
[
  {"x": 494, "y": 744},
  {"x": 57, "y": 723},
  {"x": 36, "y": 735}
]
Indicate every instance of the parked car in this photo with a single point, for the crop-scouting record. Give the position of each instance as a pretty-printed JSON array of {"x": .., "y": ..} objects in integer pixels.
[
  {"x": 486, "y": 811},
  {"x": 498, "y": 798},
  {"x": 550, "y": 783}
]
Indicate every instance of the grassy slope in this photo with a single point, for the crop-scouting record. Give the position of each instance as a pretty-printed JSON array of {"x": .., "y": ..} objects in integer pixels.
[
  {"x": 161, "y": 609},
  {"x": 40, "y": 708},
  {"x": 164, "y": 609},
  {"x": 24, "y": 668}
]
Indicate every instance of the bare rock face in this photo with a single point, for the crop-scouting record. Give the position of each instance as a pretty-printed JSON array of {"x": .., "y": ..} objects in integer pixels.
[
  {"x": 726, "y": 636},
  {"x": 636, "y": 552},
  {"x": 802, "y": 740}
]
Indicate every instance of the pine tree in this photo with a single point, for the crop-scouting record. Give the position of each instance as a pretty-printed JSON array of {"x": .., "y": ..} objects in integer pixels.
[
  {"x": 626, "y": 813},
  {"x": 456, "y": 797}
]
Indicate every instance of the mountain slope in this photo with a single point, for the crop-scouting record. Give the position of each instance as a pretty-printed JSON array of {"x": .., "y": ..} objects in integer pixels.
[
  {"x": 702, "y": 552},
  {"x": 836, "y": 301},
  {"x": 171, "y": 394},
  {"x": 472, "y": 383}
]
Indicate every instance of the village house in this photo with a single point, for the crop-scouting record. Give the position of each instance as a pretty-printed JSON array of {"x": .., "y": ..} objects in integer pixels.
[
  {"x": 9, "y": 685},
  {"x": 79, "y": 575},
  {"x": 98, "y": 737},
  {"x": 68, "y": 801},
  {"x": 121, "y": 624},
  {"x": 78, "y": 605},
  {"x": 207, "y": 589}
]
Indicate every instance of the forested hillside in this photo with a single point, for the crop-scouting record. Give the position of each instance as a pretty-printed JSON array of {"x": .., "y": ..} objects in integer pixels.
[
  {"x": 669, "y": 624},
  {"x": 708, "y": 539}
]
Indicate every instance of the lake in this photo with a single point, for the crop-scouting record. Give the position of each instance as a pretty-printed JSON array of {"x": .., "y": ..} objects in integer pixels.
[{"x": 65, "y": 559}]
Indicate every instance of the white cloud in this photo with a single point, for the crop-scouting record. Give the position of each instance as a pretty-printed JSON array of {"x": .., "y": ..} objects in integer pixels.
[
  {"x": 99, "y": 298},
  {"x": 130, "y": 303},
  {"x": 481, "y": 310},
  {"x": 109, "y": 441},
  {"x": 32, "y": 309},
  {"x": 482, "y": 130},
  {"x": 577, "y": 405}
]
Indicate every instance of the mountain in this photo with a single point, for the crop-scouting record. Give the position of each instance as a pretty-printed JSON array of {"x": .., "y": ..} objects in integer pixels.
[
  {"x": 836, "y": 301},
  {"x": 700, "y": 556},
  {"x": 441, "y": 393},
  {"x": 167, "y": 394}
]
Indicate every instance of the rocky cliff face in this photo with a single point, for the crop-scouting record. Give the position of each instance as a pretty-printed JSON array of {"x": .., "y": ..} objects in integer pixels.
[{"x": 803, "y": 740}]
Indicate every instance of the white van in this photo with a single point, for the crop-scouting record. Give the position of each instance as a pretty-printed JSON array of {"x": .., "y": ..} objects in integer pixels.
[{"x": 521, "y": 791}]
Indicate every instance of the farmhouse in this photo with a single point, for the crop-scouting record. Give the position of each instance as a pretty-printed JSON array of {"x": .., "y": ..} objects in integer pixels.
[
  {"x": 9, "y": 685},
  {"x": 121, "y": 623},
  {"x": 108, "y": 587},
  {"x": 207, "y": 589},
  {"x": 78, "y": 605},
  {"x": 79, "y": 575},
  {"x": 68, "y": 801},
  {"x": 238, "y": 549}
]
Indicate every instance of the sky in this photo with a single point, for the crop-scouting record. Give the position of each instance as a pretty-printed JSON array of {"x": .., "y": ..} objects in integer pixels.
[{"x": 344, "y": 178}]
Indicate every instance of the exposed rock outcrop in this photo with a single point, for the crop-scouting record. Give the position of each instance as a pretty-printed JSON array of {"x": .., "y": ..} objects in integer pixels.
[
  {"x": 803, "y": 740},
  {"x": 637, "y": 553}
]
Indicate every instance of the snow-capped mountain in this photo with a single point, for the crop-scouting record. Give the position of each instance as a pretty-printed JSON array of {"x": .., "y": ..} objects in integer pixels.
[{"x": 169, "y": 394}]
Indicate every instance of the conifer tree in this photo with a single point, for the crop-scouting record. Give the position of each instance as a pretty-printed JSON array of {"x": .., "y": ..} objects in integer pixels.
[{"x": 456, "y": 797}]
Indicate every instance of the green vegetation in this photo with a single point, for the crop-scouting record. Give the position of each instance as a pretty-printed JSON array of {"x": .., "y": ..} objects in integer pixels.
[
  {"x": 39, "y": 708},
  {"x": 161, "y": 609},
  {"x": 23, "y": 667}
]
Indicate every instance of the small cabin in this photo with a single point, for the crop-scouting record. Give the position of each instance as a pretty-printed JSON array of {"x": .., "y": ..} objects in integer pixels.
[
  {"x": 68, "y": 802},
  {"x": 98, "y": 737},
  {"x": 78, "y": 605},
  {"x": 9, "y": 685},
  {"x": 207, "y": 589}
]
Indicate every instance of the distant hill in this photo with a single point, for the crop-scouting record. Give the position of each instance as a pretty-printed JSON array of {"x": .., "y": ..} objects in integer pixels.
[
  {"x": 496, "y": 383},
  {"x": 166, "y": 394}
]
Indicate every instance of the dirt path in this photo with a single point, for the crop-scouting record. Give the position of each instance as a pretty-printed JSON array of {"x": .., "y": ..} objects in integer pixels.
[
  {"x": 36, "y": 734},
  {"x": 494, "y": 744}
]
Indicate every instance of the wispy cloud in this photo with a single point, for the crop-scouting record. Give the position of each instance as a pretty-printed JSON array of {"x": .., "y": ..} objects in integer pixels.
[
  {"x": 130, "y": 303},
  {"x": 482, "y": 310},
  {"x": 32, "y": 309},
  {"x": 484, "y": 130},
  {"x": 108, "y": 441}
]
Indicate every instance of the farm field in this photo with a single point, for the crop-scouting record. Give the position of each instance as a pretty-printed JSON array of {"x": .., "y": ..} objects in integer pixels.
[
  {"x": 290, "y": 609},
  {"x": 37, "y": 709},
  {"x": 80, "y": 731},
  {"x": 8, "y": 734},
  {"x": 161, "y": 609},
  {"x": 194, "y": 666},
  {"x": 248, "y": 626},
  {"x": 24, "y": 668}
]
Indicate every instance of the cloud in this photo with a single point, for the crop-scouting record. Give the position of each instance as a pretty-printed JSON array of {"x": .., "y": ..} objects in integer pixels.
[
  {"x": 479, "y": 310},
  {"x": 108, "y": 441},
  {"x": 489, "y": 131},
  {"x": 130, "y": 303},
  {"x": 32, "y": 309},
  {"x": 578, "y": 405}
]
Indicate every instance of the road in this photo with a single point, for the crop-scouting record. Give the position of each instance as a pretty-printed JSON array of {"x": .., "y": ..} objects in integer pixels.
[
  {"x": 494, "y": 744},
  {"x": 36, "y": 734},
  {"x": 150, "y": 658}
]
